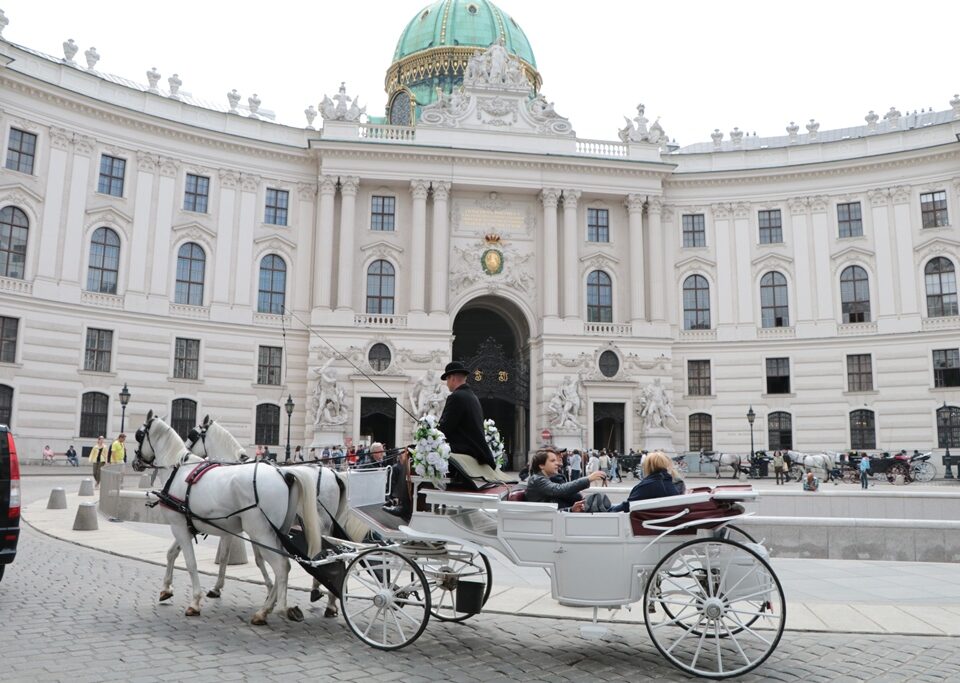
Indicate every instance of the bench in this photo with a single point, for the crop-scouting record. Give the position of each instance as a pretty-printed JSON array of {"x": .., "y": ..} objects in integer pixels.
[
  {"x": 651, "y": 517},
  {"x": 56, "y": 459}
]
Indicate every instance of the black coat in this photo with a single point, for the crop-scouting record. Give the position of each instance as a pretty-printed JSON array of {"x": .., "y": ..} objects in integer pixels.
[
  {"x": 462, "y": 424},
  {"x": 542, "y": 490}
]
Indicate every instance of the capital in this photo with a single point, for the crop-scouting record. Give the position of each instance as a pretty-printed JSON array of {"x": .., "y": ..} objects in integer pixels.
[
  {"x": 570, "y": 198},
  {"x": 654, "y": 204},
  {"x": 419, "y": 188},
  {"x": 549, "y": 196},
  {"x": 441, "y": 190},
  {"x": 328, "y": 185},
  {"x": 634, "y": 203},
  {"x": 228, "y": 178},
  {"x": 349, "y": 184}
]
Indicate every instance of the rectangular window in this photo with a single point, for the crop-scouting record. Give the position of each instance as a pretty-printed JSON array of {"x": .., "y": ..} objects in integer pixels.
[
  {"x": 694, "y": 230},
  {"x": 97, "y": 354},
  {"x": 278, "y": 201},
  {"x": 186, "y": 358},
  {"x": 269, "y": 365},
  {"x": 850, "y": 219},
  {"x": 933, "y": 209},
  {"x": 598, "y": 225},
  {"x": 698, "y": 378},
  {"x": 8, "y": 339},
  {"x": 383, "y": 213},
  {"x": 196, "y": 192},
  {"x": 21, "y": 151},
  {"x": 111, "y": 175},
  {"x": 778, "y": 375},
  {"x": 859, "y": 372},
  {"x": 946, "y": 368},
  {"x": 771, "y": 228}
]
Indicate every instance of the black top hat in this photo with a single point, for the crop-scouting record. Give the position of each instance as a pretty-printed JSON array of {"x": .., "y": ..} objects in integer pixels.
[{"x": 454, "y": 368}]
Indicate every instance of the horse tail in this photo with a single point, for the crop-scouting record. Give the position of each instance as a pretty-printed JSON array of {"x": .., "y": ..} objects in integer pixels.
[{"x": 305, "y": 479}]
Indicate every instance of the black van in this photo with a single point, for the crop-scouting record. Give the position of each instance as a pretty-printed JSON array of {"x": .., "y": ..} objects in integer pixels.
[{"x": 9, "y": 498}]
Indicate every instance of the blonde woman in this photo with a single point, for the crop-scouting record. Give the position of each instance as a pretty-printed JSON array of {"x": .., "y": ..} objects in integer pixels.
[{"x": 657, "y": 482}]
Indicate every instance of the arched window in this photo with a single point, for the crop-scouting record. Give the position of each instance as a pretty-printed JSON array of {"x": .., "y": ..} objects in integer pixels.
[
  {"x": 855, "y": 295},
  {"x": 13, "y": 242},
  {"x": 191, "y": 264},
  {"x": 599, "y": 297},
  {"x": 268, "y": 425},
  {"x": 701, "y": 432},
  {"x": 6, "y": 404},
  {"x": 948, "y": 427},
  {"x": 273, "y": 284},
  {"x": 941, "y": 279},
  {"x": 379, "y": 357},
  {"x": 104, "y": 261},
  {"x": 696, "y": 303},
  {"x": 381, "y": 287},
  {"x": 93, "y": 414},
  {"x": 863, "y": 431},
  {"x": 183, "y": 416},
  {"x": 774, "y": 309},
  {"x": 780, "y": 431}
]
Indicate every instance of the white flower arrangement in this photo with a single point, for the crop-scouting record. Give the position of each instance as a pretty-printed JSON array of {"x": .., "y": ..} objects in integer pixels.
[
  {"x": 495, "y": 442},
  {"x": 430, "y": 458}
]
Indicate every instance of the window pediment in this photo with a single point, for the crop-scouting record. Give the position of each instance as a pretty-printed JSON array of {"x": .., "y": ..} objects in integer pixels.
[
  {"x": 194, "y": 230},
  {"x": 936, "y": 246},
  {"x": 599, "y": 261},
  {"x": 694, "y": 262},
  {"x": 382, "y": 249},
  {"x": 772, "y": 262},
  {"x": 110, "y": 214},
  {"x": 18, "y": 193},
  {"x": 853, "y": 254}
]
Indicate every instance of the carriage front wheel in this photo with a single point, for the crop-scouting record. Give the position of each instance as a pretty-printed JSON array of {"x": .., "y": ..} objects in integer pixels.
[
  {"x": 445, "y": 567},
  {"x": 386, "y": 599},
  {"x": 722, "y": 608},
  {"x": 923, "y": 471}
]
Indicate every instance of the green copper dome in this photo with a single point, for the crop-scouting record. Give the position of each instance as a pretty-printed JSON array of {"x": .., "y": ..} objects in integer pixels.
[
  {"x": 468, "y": 23},
  {"x": 435, "y": 47}
]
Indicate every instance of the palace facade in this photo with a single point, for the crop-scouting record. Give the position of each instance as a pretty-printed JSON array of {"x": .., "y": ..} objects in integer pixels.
[{"x": 216, "y": 262}]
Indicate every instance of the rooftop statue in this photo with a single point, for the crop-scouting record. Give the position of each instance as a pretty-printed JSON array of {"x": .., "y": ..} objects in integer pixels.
[
  {"x": 636, "y": 129},
  {"x": 345, "y": 109}
]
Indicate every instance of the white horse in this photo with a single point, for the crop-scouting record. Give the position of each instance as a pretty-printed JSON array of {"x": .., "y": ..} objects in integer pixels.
[
  {"x": 331, "y": 499},
  {"x": 196, "y": 443},
  {"x": 249, "y": 498},
  {"x": 719, "y": 460},
  {"x": 814, "y": 461}
]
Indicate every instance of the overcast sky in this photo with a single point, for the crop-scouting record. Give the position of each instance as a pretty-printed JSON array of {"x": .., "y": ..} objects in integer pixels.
[{"x": 696, "y": 65}]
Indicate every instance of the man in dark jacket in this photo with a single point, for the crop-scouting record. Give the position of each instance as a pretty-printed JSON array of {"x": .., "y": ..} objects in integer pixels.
[{"x": 462, "y": 418}]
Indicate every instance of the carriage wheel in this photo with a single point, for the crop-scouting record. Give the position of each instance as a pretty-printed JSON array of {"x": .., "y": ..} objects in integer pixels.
[
  {"x": 727, "y": 610},
  {"x": 445, "y": 570},
  {"x": 796, "y": 472},
  {"x": 851, "y": 476},
  {"x": 898, "y": 469},
  {"x": 386, "y": 599},
  {"x": 737, "y": 534},
  {"x": 924, "y": 471}
]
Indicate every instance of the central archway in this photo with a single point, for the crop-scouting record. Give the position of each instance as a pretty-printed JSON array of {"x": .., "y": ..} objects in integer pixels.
[{"x": 491, "y": 337}]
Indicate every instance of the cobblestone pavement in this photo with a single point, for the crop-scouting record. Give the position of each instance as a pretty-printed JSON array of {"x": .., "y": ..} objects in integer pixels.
[{"x": 72, "y": 614}]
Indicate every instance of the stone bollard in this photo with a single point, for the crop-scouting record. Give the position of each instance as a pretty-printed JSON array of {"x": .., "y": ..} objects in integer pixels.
[
  {"x": 86, "y": 487},
  {"x": 145, "y": 481},
  {"x": 86, "y": 519},
  {"x": 237, "y": 547},
  {"x": 58, "y": 499}
]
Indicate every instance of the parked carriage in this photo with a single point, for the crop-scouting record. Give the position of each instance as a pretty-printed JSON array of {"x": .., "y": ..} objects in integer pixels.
[{"x": 887, "y": 467}]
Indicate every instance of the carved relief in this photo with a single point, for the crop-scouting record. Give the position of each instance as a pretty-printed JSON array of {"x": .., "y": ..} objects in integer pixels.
[
  {"x": 169, "y": 167},
  {"x": 229, "y": 179},
  {"x": 146, "y": 162},
  {"x": 516, "y": 270},
  {"x": 60, "y": 138},
  {"x": 84, "y": 144}
]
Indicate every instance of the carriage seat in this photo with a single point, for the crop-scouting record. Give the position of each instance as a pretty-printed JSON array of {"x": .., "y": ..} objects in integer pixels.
[
  {"x": 700, "y": 505},
  {"x": 518, "y": 495}
]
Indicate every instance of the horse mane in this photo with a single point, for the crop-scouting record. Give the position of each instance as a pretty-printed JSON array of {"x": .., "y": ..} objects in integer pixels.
[
  {"x": 222, "y": 443},
  {"x": 167, "y": 445}
]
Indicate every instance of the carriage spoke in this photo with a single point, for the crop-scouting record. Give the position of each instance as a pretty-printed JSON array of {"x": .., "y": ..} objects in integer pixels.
[
  {"x": 706, "y": 559},
  {"x": 363, "y": 611},
  {"x": 750, "y": 614},
  {"x": 746, "y": 598},
  {"x": 393, "y": 613},
  {"x": 372, "y": 622},
  {"x": 750, "y": 630},
  {"x": 354, "y": 596},
  {"x": 407, "y": 616},
  {"x": 716, "y": 630},
  {"x": 732, "y": 588},
  {"x": 696, "y": 653},
  {"x": 686, "y": 632}
]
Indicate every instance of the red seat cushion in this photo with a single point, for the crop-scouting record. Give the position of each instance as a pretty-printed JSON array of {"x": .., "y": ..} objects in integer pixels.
[
  {"x": 698, "y": 511},
  {"x": 517, "y": 496}
]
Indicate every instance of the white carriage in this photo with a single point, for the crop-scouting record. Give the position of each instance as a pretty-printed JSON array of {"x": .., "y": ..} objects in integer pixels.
[{"x": 713, "y": 606}]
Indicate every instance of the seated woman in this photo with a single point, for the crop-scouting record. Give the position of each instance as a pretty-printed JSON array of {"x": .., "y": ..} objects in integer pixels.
[
  {"x": 657, "y": 482},
  {"x": 546, "y": 464}
]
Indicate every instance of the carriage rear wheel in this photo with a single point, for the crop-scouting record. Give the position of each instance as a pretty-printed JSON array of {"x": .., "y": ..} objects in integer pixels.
[
  {"x": 796, "y": 472},
  {"x": 898, "y": 469},
  {"x": 923, "y": 471},
  {"x": 445, "y": 570},
  {"x": 386, "y": 599},
  {"x": 726, "y": 608},
  {"x": 850, "y": 475}
]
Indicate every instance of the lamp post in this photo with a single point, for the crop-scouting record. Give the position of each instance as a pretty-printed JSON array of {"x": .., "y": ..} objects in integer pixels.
[
  {"x": 947, "y": 460},
  {"x": 124, "y": 400},
  {"x": 289, "y": 406},
  {"x": 751, "y": 416}
]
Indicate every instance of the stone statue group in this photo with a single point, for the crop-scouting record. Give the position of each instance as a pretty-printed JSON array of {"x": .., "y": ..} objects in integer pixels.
[{"x": 564, "y": 407}]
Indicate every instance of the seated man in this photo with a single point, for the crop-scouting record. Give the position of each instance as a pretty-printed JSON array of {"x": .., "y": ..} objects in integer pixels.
[
  {"x": 462, "y": 418},
  {"x": 72, "y": 456},
  {"x": 657, "y": 482},
  {"x": 540, "y": 488},
  {"x": 811, "y": 483}
]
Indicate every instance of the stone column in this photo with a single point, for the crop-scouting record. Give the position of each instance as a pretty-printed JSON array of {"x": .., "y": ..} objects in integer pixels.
[
  {"x": 657, "y": 281},
  {"x": 348, "y": 206},
  {"x": 323, "y": 244},
  {"x": 634, "y": 204},
  {"x": 570, "y": 273},
  {"x": 549, "y": 198},
  {"x": 418, "y": 247},
  {"x": 441, "y": 247}
]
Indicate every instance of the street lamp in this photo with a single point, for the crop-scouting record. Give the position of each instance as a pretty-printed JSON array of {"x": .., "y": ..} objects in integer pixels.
[
  {"x": 947, "y": 460},
  {"x": 124, "y": 400},
  {"x": 289, "y": 406},
  {"x": 751, "y": 416}
]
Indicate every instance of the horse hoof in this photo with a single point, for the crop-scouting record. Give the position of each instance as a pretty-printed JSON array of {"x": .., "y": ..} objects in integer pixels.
[
  {"x": 315, "y": 595},
  {"x": 294, "y": 614},
  {"x": 213, "y": 593},
  {"x": 192, "y": 612},
  {"x": 258, "y": 620},
  {"x": 330, "y": 612},
  {"x": 165, "y": 595}
]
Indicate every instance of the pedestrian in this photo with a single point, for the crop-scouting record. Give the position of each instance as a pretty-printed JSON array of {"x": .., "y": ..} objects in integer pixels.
[
  {"x": 778, "y": 466},
  {"x": 47, "y": 455},
  {"x": 865, "y": 472},
  {"x": 576, "y": 464},
  {"x": 259, "y": 453},
  {"x": 72, "y": 456},
  {"x": 615, "y": 467},
  {"x": 118, "y": 449},
  {"x": 298, "y": 454},
  {"x": 605, "y": 463},
  {"x": 99, "y": 456},
  {"x": 811, "y": 483},
  {"x": 593, "y": 465}
]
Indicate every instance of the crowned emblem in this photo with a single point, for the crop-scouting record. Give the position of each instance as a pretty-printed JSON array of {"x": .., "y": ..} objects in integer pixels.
[{"x": 492, "y": 257}]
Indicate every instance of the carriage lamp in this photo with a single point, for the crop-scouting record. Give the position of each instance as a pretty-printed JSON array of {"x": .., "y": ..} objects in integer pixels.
[
  {"x": 124, "y": 400},
  {"x": 289, "y": 408},
  {"x": 751, "y": 416}
]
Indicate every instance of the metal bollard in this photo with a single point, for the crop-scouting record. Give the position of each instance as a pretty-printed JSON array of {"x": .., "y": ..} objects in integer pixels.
[
  {"x": 145, "y": 481},
  {"x": 86, "y": 487},
  {"x": 58, "y": 499},
  {"x": 86, "y": 519}
]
